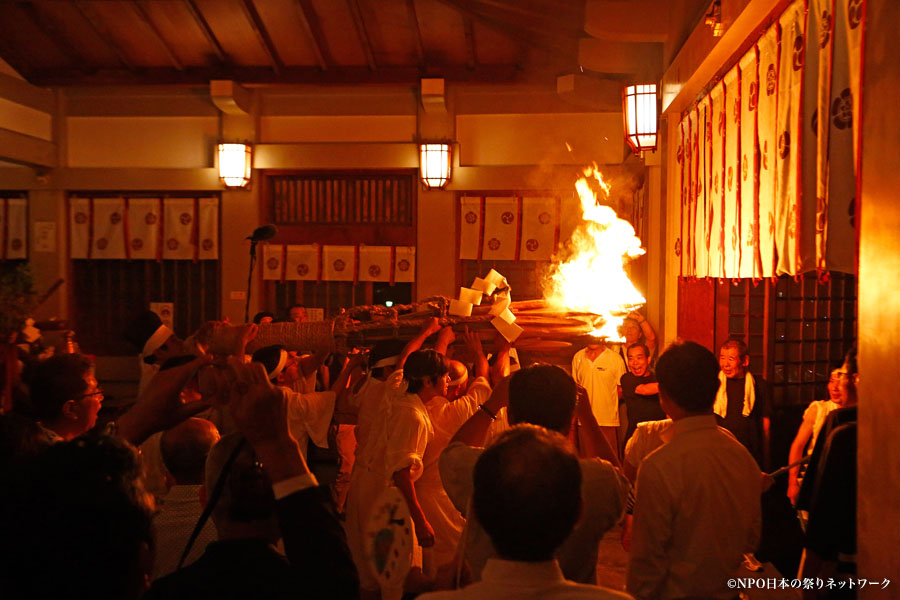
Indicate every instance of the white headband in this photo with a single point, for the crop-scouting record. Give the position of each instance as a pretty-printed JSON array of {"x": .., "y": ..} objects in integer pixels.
[
  {"x": 460, "y": 380},
  {"x": 159, "y": 337},
  {"x": 282, "y": 361},
  {"x": 390, "y": 361}
]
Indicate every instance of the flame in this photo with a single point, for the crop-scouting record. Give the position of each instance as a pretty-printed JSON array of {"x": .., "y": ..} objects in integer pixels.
[{"x": 592, "y": 279}]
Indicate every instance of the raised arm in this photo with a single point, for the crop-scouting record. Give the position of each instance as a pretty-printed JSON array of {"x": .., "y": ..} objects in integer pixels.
[
  {"x": 473, "y": 343},
  {"x": 160, "y": 407},
  {"x": 474, "y": 431},
  {"x": 646, "y": 329},
  {"x": 313, "y": 537},
  {"x": 431, "y": 327},
  {"x": 599, "y": 446}
]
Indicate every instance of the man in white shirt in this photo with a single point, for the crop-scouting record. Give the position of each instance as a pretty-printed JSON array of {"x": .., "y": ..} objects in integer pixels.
[
  {"x": 598, "y": 369},
  {"x": 697, "y": 509},
  {"x": 527, "y": 495}
]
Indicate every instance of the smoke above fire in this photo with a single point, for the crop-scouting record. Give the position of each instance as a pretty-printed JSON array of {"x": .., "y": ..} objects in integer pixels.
[{"x": 590, "y": 276}]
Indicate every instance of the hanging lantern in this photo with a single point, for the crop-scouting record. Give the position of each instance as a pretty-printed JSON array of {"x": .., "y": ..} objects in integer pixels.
[
  {"x": 434, "y": 164},
  {"x": 641, "y": 119},
  {"x": 235, "y": 162}
]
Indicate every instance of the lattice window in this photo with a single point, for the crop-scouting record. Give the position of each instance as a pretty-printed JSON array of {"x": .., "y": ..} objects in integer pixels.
[
  {"x": 814, "y": 325},
  {"x": 376, "y": 208},
  {"x": 342, "y": 199}
]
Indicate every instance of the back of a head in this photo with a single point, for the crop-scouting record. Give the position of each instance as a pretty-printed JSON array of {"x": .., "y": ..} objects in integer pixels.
[
  {"x": 273, "y": 358},
  {"x": 527, "y": 492},
  {"x": 688, "y": 374},
  {"x": 55, "y": 381},
  {"x": 384, "y": 354},
  {"x": 543, "y": 395},
  {"x": 76, "y": 520},
  {"x": 184, "y": 449},
  {"x": 423, "y": 366},
  {"x": 247, "y": 495}
]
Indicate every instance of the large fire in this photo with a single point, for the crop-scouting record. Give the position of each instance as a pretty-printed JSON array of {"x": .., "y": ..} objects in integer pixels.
[{"x": 592, "y": 278}]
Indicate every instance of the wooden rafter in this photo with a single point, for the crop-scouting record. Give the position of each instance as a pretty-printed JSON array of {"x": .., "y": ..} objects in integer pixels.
[
  {"x": 206, "y": 30},
  {"x": 529, "y": 34},
  {"x": 417, "y": 31},
  {"x": 53, "y": 33},
  {"x": 265, "y": 75},
  {"x": 310, "y": 21},
  {"x": 262, "y": 34},
  {"x": 101, "y": 33},
  {"x": 146, "y": 20},
  {"x": 362, "y": 33},
  {"x": 469, "y": 28},
  {"x": 550, "y": 17}
]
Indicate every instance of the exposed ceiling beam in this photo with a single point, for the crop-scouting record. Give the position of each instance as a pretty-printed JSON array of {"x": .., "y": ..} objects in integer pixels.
[
  {"x": 14, "y": 57},
  {"x": 536, "y": 39},
  {"x": 146, "y": 20},
  {"x": 417, "y": 31},
  {"x": 27, "y": 150},
  {"x": 22, "y": 92},
  {"x": 548, "y": 15},
  {"x": 310, "y": 21},
  {"x": 103, "y": 34},
  {"x": 264, "y": 75},
  {"x": 55, "y": 35},
  {"x": 362, "y": 33},
  {"x": 262, "y": 34},
  {"x": 469, "y": 28},
  {"x": 207, "y": 31}
]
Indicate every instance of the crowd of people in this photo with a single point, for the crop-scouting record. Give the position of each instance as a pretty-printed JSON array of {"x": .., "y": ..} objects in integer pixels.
[{"x": 461, "y": 475}]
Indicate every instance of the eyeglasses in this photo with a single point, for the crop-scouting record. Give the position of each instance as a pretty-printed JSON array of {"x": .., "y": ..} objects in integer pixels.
[
  {"x": 837, "y": 376},
  {"x": 99, "y": 392}
]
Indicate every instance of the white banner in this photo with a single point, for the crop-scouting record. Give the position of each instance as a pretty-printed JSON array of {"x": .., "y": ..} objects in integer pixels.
[
  {"x": 143, "y": 227},
  {"x": 701, "y": 219},
  {"x": 208, "y": 232},
  {"x": 788, "y": 128},
  {"x": 109, "y": 228},
  {"x": 501, "y": 221},
  {"x": 732, "y": 216},
  {"x": 404, "y": 264},
  {"x": 79, "y": 227},
  {"x": 717, "y": 176},
  {"x": 689, "y": 255},
  {"x": 16, "y": 227},
  {"x": 374, "y": 263},
  {"x": 338, "y": 263},
  {"x": 540, "y": 222},
  {"x": 768, "y": 147},
  {"x": 749, "y": 232},
  {"x": 178, "y": 228},
  {"x": 302, "y": 262},
  {"x": 272, "y": 261},
  {"x": 470, "y": 227}
]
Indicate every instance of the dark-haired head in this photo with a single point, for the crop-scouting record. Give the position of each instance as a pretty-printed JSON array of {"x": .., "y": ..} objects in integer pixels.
[
  {"x": 263, "y": 317},
  {"x": 688, "y": 375},
  {"x": 78, "y": 519},
  {"x": 424, "y": 367},
  {"x": 527, "y": 492},
  {"x": 543, "y": 395}
]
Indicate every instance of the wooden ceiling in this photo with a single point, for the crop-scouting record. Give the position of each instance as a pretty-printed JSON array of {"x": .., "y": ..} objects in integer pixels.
[{"x": 101, "y": 42}]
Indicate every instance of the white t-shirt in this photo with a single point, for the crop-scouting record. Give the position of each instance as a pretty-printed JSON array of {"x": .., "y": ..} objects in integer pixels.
[{"x": 600, "y": 378}]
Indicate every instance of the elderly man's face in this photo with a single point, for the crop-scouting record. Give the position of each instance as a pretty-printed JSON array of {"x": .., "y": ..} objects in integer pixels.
[{"x": 298, "y": 315}]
